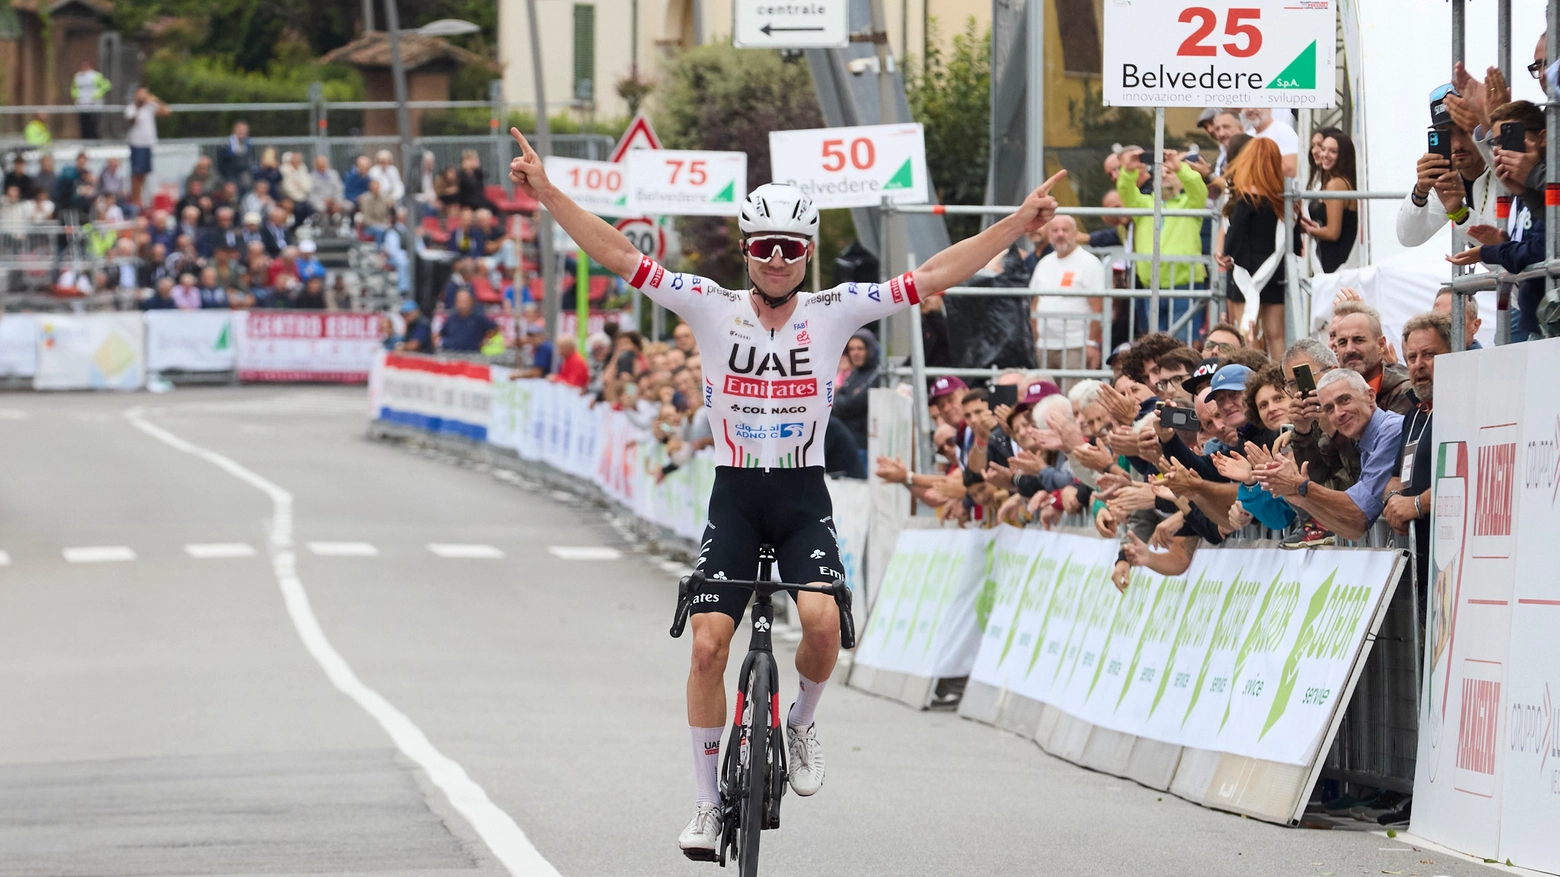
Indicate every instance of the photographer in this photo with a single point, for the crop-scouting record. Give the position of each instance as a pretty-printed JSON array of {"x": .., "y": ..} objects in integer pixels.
[{"x": 1455, "y": 189}]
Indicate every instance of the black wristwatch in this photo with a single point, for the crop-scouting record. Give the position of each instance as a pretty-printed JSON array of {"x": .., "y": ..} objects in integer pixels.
[{"x": 1304, "y": 488}]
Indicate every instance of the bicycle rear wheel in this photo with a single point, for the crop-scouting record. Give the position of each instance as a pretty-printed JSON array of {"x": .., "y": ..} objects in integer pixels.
[{"x": 755, "y": 761}]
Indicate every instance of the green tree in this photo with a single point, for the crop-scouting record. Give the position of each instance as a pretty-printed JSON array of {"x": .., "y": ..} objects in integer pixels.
[
  {"x": 950, "y": 94},
  {"x": 719, "y": 97}
]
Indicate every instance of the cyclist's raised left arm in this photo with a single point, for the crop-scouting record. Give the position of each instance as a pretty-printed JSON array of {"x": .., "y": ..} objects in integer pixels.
[
  {"x": 601, "y": 241},
  {"x": 960, "y": 261}
]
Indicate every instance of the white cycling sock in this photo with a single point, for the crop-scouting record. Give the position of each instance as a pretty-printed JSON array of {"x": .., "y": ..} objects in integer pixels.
[
  {"x": 706, "y": 762},
  {"x": 806, "y": 703}
]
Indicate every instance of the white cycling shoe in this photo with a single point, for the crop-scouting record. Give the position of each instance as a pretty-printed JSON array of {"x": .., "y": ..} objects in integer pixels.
[
  {"x": 806, "y": 757},
  {"x": 702, "y": 836}
]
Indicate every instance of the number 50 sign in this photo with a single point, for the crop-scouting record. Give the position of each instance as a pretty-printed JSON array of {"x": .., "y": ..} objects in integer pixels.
[
  {"x": 852, "y": 167},
  {"x": 1235, "y": 53}
]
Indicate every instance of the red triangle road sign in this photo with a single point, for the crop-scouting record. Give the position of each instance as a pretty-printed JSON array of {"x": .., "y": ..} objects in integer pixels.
[{"x": 638, "y": 136}]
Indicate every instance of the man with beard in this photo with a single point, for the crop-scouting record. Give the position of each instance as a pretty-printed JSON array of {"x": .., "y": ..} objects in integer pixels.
[{"x": 1361, "y": 346}]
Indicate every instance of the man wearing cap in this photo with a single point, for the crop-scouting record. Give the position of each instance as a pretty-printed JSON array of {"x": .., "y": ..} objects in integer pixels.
[
  {"x": 946, "y": 400},
  {"x": 309, "y": 265},
  {"x": 418, "y": 337},
  {"x": 1350, "y": 403}
]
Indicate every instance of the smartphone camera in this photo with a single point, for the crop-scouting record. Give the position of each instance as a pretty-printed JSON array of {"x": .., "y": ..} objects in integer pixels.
[{"x": 1439, "y": 142}]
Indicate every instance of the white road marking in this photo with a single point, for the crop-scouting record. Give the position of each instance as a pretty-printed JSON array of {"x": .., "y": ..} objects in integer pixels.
[
  {"x": 13, "y": 414},
  {"x": 99, "y": 554},
  {"x": 5, "y": 559},
  {"x": 584, "y": 552},
  {"x": 457, "y": 551},
  {"x": 219, "y": 550},
  {"x": 343, "y": 549},
  {"x": 496, "y": 828}
]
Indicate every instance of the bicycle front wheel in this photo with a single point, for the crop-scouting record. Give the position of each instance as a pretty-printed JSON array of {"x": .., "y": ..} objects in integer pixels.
[{"x": 755, "y": 731}]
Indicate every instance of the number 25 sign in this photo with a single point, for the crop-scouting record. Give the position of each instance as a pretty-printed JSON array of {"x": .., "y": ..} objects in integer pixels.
[{"x": 1239, "y": 53}]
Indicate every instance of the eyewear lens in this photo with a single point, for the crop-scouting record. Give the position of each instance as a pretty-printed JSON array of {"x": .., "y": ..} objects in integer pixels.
[
  {"x": 792, "y": 250},
  {"x": 1536, "y": 69}
]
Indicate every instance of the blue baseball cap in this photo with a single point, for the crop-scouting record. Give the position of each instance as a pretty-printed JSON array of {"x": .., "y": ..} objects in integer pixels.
[
  {"x": 408, "y": 306},
  {"x": 1230, "y": 377}
]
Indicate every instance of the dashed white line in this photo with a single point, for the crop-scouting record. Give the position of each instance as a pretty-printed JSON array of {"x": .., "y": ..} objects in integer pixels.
[
  {"x": 13, "y": 414},
  {"x": 496, "y": 828},
  {"x": 584, "y": 552},
  {"x": 343, "y": 549},
  {"x": 99, "y": 554},
  {"x": 5, "y": 559},
  {"x": 457, "y": 551},
  {"x": 219, "y": 550}
]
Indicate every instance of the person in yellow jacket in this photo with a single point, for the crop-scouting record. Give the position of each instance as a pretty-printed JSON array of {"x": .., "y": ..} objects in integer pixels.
[
  {"x": 37, "y": 131},
  {"x": 1184, "y": 189},
  {"x": 88, "y": 88}
]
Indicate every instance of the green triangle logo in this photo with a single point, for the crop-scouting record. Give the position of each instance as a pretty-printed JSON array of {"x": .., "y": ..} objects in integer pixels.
[
  {"x": 727, "y": 195},
  {"x": 900, "y": 179},
  {"x": 622, "y": 201},
  {"x": 223, "y": 342},
  {"x": 1301, "y": 72}
]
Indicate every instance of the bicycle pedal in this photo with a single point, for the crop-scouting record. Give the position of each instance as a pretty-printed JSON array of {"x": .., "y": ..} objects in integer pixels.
[{"x": 700, "y": 855}]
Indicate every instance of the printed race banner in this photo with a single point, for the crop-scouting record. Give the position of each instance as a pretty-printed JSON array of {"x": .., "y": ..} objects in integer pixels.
[
  {"x": 1246, "y": 653},
  {"x": 923, "y": 623},
  {"x": 196, "y": 341},
  {"x": 306, "y": 346},
  {"x": 18, "y": 345},
  {"x": 1488, "y": 771},
  {"x": 437, "y": 395},
  {"x": 90, "y": 352}
]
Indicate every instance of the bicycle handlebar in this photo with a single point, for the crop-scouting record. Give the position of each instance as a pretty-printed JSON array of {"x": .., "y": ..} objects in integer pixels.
[{"x": 693, "y": 584}]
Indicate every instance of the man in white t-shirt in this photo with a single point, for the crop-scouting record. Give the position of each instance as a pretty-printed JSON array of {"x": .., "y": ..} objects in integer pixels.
[
  {"x": 141, "y": 118},
  {"x": 1067, "y": 329},
  {"x": 1264, "y": 125}
]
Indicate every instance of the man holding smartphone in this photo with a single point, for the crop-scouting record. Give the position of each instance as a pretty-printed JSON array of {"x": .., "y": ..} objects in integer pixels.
[{"x": 1454, "y": 187}]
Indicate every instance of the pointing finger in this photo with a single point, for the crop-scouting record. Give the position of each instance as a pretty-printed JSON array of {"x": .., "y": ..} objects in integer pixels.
[
  {"x": 1045, "y": 187},
  {"x": 525, "y": 146}
]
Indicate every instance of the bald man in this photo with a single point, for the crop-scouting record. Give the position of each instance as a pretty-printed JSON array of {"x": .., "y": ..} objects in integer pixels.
[{"x": 1067, "y": 326}]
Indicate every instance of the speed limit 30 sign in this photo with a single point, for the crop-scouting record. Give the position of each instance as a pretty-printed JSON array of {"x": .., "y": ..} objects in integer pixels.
[
  {"x": 645, "y": 234},
  {"x": 1201, "y": 53}
]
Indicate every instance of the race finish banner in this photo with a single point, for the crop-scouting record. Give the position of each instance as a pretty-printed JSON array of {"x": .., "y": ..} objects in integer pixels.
[
  {"x": 686, "y": 182},
  {"x": 853, "y": 167},
  {"x": 1247, "y": 53},
  {"x": 1223, "y": 685}
]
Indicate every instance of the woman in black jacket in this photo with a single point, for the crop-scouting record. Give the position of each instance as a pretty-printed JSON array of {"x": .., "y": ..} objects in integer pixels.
[{"x": 850, "y": 397}]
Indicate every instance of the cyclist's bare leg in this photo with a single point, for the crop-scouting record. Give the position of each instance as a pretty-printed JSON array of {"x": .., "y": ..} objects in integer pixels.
[
  {"x": 712, "y": 633},
  {"x": 820, "y": 645}
]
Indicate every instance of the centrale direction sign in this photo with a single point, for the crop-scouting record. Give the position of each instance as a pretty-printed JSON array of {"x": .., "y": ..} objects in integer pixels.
[{"x": 778, "y": 24}]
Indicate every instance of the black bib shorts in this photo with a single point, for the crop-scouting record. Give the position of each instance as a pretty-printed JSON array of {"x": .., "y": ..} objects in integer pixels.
[{"x": 788, "y": 509}]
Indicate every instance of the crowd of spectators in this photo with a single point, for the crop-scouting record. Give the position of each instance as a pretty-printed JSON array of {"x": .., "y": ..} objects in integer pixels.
[{"x": 1186, "y": 446}]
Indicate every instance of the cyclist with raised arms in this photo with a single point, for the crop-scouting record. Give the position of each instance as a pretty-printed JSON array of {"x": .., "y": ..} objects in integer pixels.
[{"x": 769, "y": 359}]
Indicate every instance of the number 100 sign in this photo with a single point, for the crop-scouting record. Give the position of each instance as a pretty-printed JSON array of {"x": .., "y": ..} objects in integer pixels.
[
  {"x": 1205, "y": 53},
  {"x": 852, "y": 167}
]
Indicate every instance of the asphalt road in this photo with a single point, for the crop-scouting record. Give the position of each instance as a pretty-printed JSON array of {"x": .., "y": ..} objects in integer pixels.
[{"x": 162, "y": 714}]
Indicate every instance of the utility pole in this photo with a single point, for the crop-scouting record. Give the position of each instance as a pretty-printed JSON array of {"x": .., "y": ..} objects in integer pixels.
[{"x": 544, "y": 241}]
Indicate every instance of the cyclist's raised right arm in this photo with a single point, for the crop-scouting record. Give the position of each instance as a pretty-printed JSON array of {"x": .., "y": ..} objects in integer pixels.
[{"x": 601, "y": 241}]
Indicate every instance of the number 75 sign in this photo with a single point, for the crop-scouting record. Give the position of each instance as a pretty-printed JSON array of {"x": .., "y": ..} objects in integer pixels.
[{"x": 1235, "y": 53}]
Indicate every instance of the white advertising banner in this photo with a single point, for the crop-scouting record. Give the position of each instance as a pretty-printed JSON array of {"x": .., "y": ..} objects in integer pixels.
[
  {"x": 852, "y": 501},
  {"x": 453, "y": 397},
  {"x": 598, "y": 186},
  {"x": 853, "y": 167},
  {"x": 197, "y": 341},
  {"x": 1488, "y": 771},
  {"x": 18, "y": 345},
  {"x": 923, "y": 622},
  {"x": 1250, "y": 53},
  {"x": 90, "y": 352},
  {"x": 306, "y": 345},
  {"x": 890, "y": 433},
  {"x": 1247, "y": 653},
  {"x": 686, "y": 182}
]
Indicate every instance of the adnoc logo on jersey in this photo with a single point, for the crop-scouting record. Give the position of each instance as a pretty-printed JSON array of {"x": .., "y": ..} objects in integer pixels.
[
  {"x": 1199, "y": 53},
  {"x": 769, "y": 431}
]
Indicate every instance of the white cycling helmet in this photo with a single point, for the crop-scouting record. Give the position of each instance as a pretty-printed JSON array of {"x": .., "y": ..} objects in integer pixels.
[{"x": 778, "y": 208}]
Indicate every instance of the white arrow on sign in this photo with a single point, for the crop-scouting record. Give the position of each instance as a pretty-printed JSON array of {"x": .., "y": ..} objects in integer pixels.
[{"x": 778, "y": 24}]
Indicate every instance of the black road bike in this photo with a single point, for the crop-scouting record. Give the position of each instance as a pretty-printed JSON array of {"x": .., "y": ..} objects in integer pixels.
[{"x": 753, "y": 770}]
